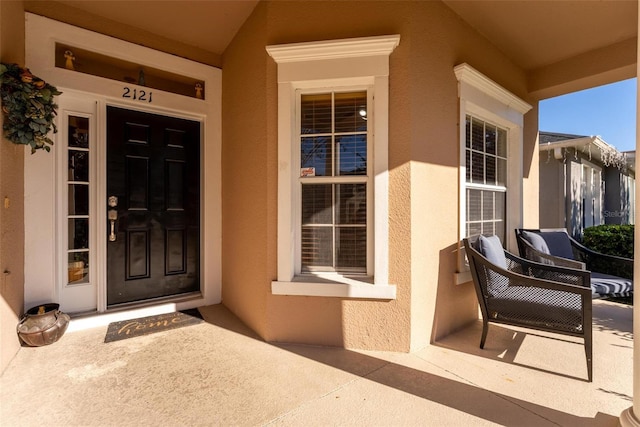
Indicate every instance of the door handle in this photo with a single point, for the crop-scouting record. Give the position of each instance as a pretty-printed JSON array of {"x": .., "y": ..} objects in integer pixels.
[{"x": 112, "y": 216}]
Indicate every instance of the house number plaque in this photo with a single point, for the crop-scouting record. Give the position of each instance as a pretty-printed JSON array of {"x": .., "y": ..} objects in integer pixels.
[{"x": 137, "y": 94}]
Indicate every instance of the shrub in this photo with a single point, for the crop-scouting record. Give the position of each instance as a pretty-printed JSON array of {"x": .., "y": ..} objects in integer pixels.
[{"x": 610, "y": 239}]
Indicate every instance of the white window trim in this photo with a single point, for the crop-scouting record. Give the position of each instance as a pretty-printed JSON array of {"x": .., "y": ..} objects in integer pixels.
[
  {"x": 336, "y": 63},
  {"x": 483, "y": 98}
]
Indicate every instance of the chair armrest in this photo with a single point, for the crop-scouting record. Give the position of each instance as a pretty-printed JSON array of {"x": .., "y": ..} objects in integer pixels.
[
  {"x": 530, "y": 253},
  {"x": 516, "y": 279},
  {"x": 580, "y": 247},
  {"x": 556, "y": 273},
  {"x": 603, "y": 263}
]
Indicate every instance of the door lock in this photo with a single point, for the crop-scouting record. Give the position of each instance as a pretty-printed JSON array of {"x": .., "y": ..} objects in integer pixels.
[{"x": 112, "y": 215}]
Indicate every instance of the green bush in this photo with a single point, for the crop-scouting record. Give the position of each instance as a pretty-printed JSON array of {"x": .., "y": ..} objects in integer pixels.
[{"x": 610, "y": 239}]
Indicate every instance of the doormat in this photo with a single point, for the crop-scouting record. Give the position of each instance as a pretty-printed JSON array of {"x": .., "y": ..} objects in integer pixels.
[{"x": 152, "y": 324}]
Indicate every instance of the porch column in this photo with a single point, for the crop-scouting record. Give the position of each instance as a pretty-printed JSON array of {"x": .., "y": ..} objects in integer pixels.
[{"x": 631, "y": 416}]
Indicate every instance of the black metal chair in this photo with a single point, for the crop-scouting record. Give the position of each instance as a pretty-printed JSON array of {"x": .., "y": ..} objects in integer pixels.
[
  {"x": 519, "y": 292},
  {"x": 611, "y": 276}
]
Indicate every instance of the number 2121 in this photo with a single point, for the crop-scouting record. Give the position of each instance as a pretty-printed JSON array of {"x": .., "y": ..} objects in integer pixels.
[{"x": 138, "y": 95}]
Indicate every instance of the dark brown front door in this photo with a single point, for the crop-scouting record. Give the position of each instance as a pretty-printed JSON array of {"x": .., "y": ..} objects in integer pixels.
[{"x": 153, "y": 190}]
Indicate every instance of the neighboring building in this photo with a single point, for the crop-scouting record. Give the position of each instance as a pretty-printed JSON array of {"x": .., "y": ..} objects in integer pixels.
[
  {"x": 584, "y": 182},
  {"x": 313, "y": 167}
]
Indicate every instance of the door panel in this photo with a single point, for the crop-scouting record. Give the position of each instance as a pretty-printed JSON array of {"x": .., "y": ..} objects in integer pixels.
[{"x": 153, "y": 170}]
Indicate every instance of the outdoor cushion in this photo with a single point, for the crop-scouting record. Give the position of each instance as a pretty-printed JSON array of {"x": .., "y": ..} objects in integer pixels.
[
  {"x": 611, "y": 286},
  {"x": 558, "y": 243},
  {"x": 491, "y": 248},
  {"x": 536, "y": 241}
]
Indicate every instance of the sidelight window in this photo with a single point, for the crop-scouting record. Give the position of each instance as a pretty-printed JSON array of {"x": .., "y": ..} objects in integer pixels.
[{"x": 78, "y": 200}]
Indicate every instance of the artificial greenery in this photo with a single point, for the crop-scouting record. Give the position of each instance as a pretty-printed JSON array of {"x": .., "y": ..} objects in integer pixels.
[
  {"x": 610, "y": 239},
  {"x": 28, "y": 107}
]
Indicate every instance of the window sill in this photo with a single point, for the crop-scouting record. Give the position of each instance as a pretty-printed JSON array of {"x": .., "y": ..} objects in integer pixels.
[{"x": 334, "y": 286}]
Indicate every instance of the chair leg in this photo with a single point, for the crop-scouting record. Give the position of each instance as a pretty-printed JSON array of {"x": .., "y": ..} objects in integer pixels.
[
  {"x": 588, "y": 352},
  {"x": 485, "y": 329}
]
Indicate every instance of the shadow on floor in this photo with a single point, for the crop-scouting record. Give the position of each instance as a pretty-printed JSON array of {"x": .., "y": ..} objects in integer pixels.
[
  {"x": 453, "y": 394},
  {"x": 493, "y": 407}
]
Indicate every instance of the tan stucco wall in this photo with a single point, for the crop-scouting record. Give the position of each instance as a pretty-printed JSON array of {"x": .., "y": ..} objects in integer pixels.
[
  {"x": 11, "y": 192},
  {"x": 530, "y": 169},
  {"x": 248, "y": 177},
  {"x": 423, "y": 163}
]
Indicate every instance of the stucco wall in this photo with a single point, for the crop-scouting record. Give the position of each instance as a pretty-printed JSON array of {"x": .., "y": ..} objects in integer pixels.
[
  {"x": 423, "y": 163},
  {"x": 530, "y": 169},
  {"x": 248, "y": 181},
  {"x": 11, "y": 198}
]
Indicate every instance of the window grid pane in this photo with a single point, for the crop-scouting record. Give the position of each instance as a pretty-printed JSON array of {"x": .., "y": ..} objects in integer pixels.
[
  {"x": 486, "y": 212},
  {"x": 334, "y": 227},
  {"x": 315, "y": 152},
  {"x": 315, "y": 114},
  {"x": 485, "y": 153}
]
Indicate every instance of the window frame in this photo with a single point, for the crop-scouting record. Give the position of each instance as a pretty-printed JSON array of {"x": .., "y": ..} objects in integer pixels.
[
  {"x": 484, "y": 99},
  {"x": 347, "y": 64}
]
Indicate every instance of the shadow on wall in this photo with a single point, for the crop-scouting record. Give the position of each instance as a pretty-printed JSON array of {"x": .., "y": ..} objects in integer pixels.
[{"x": 456, "y": 305}]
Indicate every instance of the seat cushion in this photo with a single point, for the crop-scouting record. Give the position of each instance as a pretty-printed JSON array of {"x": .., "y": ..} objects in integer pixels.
[
  {"x": 558, "y": 243},
  {"x": 491, "y": 248},
  {"x": 610, "y": 286},
  {"x": 536, "y": 241}
]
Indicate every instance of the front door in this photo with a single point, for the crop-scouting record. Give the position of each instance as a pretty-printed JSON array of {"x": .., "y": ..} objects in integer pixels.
[{"x": 153, "y": 206}]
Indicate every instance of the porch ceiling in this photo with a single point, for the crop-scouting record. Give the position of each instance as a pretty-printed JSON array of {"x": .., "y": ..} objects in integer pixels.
[
  {"x": 197, "y": 29},
  {"x": 555, "y": 42},
  {"x": 538, "y": 33},
  {"x": 563, "y": 46}
]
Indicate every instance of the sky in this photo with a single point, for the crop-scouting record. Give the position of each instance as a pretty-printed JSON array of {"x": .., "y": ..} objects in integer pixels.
[{"x": 608, "y": 111}]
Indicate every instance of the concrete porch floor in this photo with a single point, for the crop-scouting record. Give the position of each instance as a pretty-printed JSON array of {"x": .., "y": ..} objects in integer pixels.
[{"x": 220, "y": 373}]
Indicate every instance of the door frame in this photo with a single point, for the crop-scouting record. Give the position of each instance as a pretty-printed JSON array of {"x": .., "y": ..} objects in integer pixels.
[{"x": 45, "y": 177}]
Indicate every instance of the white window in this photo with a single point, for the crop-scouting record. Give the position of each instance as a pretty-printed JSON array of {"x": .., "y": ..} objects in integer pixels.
[
  {"x": 333, "y": 168},
  {"x": 491, "y": 137},
  {"x": 486, "y": 178}
]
